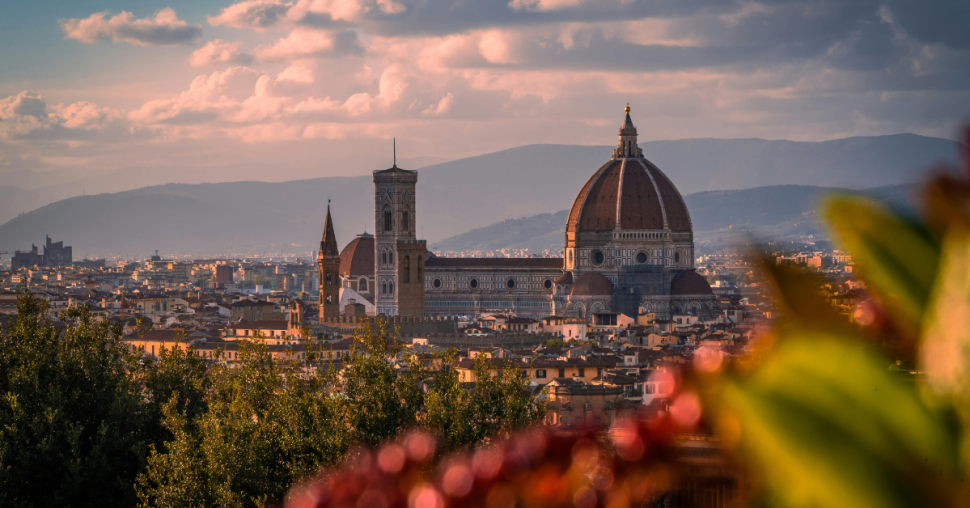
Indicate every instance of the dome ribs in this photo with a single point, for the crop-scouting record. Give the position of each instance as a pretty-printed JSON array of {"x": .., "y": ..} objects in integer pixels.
[
  {"x": 598, "y": 211},
  {"x": 677, "y": 216},
  {"x": 638, "y": 210},
  {"x": 574, "y": 221},
  {"x": 660, "y": 197}
]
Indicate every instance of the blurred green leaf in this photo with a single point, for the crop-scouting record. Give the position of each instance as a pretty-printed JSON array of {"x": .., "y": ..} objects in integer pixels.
[
  {"x": 896, "y": 258},
  {"x": 829, "y": 425},
  {"x": 799, "y": 297},
  {"x": 945, "y": 353}
]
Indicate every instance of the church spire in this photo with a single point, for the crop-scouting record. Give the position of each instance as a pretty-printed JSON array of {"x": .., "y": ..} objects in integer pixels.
[
  {"x": 627, "y": 147},
  {"x": 328, "y": 244}
]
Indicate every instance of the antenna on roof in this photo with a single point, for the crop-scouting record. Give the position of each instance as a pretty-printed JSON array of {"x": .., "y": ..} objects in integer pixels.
[{"x": 395, "y": 151}]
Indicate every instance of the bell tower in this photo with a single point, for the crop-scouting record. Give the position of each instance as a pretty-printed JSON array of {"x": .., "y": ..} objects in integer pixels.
[
  {"x": 395, "y": 223},
  {"x": 328, "y": 262}
]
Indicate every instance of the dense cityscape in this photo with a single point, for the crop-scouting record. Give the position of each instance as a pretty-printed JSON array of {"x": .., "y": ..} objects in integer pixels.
[
  {"x": 484, "y": 254},
  {"x": 598, "y": 335}
]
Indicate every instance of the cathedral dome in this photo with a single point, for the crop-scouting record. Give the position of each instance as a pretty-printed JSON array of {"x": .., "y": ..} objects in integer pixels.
[
  {"x": 357, "y": 258},
  {"x": 592, "y": 284},
  {"x": 690, "y": 282},
  {"x": 628, "y": 192},
  {"x": 565, "y": 278}
]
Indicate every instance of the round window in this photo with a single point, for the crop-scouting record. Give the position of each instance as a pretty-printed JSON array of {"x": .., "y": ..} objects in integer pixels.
[
  {"x": 436, "y": 283},
  {"x": 641, "y": 257},
  {"x": 473, "y": 283},
  {"x": 510, "y": 283},
  {"x": 547, "y": 284},
  {"x": 598, "y": 257}
]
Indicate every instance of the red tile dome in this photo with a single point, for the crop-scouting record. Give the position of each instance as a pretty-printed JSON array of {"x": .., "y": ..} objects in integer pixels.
[
  {"x": 357, "y": 258},
  {"x": 592, "y": 284},
  {"x": 628, "y": 192},
  {"x": 565, "y": 278},
  {"x": 690, "y": 282}
]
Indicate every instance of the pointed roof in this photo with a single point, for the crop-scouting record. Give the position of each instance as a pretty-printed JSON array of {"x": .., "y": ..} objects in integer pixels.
[
  {"x": 328, "y": 244},
  {"x": 628, "y": 129}
]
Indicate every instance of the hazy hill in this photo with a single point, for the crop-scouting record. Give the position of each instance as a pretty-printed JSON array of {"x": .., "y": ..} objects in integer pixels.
[
  {"x": 536, "y": 233},
  {"x": 453, "y": 197},
  {"x": 775, "y": 212}
]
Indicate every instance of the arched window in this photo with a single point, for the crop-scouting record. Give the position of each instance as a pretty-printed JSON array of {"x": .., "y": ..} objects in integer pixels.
[
  {"x": 362, "y": 284},
  {"x": 384, "y": 288},
  {"x": 390, "y": 258},
  {"x": 407, "y": 269},
  {"x": 388, "y": 219},
  {"x": 420, "y": 269},
  {"x": 405, "y": 222},
  {"x": 329, "y": 279},
  {"x": 390, "y": 287},
  {"x": 384, "y": 257}
]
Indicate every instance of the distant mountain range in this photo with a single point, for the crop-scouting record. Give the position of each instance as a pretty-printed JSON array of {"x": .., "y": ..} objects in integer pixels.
[
  {"x": 781, "y": 212},
  {"x": 453, "y": 197}
]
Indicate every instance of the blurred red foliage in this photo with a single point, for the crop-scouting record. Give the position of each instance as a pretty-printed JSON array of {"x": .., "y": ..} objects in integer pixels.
[{"x": 626, "y": 465}]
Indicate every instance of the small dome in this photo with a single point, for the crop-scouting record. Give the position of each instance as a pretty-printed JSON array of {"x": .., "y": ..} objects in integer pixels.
[
  {"x": 357, "y": 258},
  {"x": 592, "y": 284},
  {"x": 690, "y": 282},
  {"x": 565, "y": 278}
]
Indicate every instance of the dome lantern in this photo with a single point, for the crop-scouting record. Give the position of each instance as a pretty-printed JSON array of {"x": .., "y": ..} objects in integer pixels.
[{"x": 627, "y": 147}]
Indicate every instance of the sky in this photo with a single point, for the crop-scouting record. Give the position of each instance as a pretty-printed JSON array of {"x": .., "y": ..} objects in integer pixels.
[{"x": 324, "y": 85}]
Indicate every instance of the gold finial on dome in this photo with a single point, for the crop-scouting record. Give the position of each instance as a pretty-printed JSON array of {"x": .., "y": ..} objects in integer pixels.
[{"x": 627, "y": 108}]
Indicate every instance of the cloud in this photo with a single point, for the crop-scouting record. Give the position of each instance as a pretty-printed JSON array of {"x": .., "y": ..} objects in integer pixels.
[
  {"x": 162, "y": 29},
  {"x": 443, "y": 106},
  {"x": 296, "y": 73},
  {"x": 219, "y": 51},
  {"x": 239, "y": 98},
  {"x": 255, "y": 14},
  {"x": 462, "y": 76},
  {"x": 306, "y": 43},
  {"x": 26, "y": 116},
  {"x": 542, "y": 5},
  {"x": 346, "y": 10}
]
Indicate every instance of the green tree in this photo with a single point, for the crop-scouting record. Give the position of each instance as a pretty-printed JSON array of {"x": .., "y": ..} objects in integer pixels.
[
  {"x": 177, "y": 375},
  {"x": 268, "y": 423},
  {"x": 71, "y": 413},
  {"x": 467, "y": 415},
  {"x": 382, "y": 393}
]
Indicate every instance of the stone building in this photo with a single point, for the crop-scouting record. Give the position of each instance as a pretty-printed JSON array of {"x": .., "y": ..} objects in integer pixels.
[
  {"x": 629, "y": 248},
  {"x": 328, "y": 260},
  {"x": 55, "y": 254},
  {"x": 394, "y": 220},
  {"x": 630, "y": 225}
]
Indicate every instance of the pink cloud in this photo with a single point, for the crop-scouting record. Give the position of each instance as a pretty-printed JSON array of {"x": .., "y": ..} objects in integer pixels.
[
  {"x": 219, "y": 51},
  {"x": 255, "y": 14},
  {"x": 27, "y": 116},
  {"x": 543, "y": 5},
  {"x": 345, "y": 10},
  {"x": 443, "y": 106},
  {"x": 308, "y": 43},
  {"x": 162, "y": 29}
]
